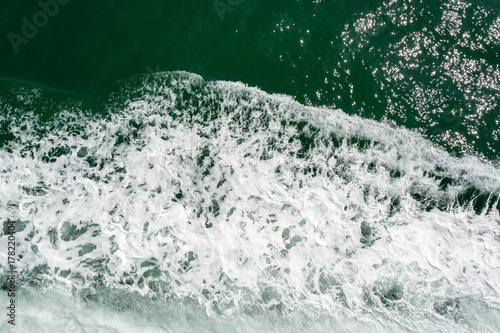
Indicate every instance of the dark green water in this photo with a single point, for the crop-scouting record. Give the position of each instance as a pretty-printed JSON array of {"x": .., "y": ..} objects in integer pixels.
[
  {"x": 433, "y": 66},
  {"x": 251, "y": 166}
]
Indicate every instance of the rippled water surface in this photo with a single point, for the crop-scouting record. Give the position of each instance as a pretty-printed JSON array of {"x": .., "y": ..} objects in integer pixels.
[{"x": 252, "y": 166}]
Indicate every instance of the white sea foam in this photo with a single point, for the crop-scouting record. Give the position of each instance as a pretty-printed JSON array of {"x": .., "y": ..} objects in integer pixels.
[{"x": 251, "y": 207}]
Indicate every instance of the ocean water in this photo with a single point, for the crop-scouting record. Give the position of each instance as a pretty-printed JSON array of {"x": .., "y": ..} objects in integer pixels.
[{"x": 238, "y": 166}]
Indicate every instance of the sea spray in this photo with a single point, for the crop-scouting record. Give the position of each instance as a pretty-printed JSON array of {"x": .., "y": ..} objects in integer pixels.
[{"x": 232, "y": 206}]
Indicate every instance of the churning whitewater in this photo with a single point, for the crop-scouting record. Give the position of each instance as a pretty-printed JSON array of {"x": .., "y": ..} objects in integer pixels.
[{"x": 187, "y": 205}]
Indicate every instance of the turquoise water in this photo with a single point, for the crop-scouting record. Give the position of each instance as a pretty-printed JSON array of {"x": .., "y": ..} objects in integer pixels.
[{"x": 242, "y": 166}]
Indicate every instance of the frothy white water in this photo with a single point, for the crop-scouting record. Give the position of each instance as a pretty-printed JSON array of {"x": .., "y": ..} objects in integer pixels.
[
  {"x": 248, "y": 206},
  {"x": 58, "y": 311}
]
